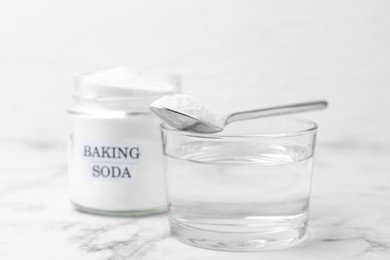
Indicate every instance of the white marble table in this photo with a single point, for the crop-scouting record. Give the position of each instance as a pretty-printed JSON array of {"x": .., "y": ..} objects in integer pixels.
[{"x": 350, "y": 212}]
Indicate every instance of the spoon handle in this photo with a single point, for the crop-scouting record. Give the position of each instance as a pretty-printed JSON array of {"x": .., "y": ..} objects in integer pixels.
[{"x": 274, "y": 111}]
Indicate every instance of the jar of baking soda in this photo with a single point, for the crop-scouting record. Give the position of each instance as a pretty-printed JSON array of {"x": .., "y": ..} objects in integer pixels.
[{"x": 115, "y": 157}]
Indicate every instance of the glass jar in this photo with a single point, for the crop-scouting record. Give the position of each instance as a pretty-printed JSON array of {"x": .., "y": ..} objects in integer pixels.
[
  {"x": 244, "y": 189},
  {"x": 115, "y": 159}
]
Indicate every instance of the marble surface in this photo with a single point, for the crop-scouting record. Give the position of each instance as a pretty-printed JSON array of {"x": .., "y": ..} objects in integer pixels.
[{"x": 349, "y": 219}]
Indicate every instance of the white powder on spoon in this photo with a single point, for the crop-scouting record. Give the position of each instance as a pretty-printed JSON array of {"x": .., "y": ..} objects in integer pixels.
[{"x": 189, "y": 106}]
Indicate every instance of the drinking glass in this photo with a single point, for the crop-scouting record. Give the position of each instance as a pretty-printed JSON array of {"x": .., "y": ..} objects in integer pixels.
[{"x": 244, "y": 189}]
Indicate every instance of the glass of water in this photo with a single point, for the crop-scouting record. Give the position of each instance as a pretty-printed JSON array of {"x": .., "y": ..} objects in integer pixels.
[{"x": 244, "y": 189}]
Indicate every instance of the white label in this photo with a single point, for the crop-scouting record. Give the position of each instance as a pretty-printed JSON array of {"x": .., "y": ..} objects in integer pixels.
[{"x": 108, "y": 162}]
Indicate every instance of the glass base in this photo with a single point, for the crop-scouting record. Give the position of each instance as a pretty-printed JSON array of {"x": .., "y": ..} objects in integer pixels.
[
  {"x": 239, "y": 242},
  {"x": 120, "y": 213}
]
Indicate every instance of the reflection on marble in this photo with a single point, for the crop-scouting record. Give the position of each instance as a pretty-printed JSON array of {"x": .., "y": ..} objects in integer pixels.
[{"x": 350, "y": 212}]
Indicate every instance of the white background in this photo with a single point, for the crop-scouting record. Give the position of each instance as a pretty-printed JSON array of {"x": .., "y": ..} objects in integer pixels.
[{"x": 232, "y": 54}]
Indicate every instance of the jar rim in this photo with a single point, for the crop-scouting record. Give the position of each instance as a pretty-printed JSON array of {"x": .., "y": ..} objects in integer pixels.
[
  {"x": 79, "y": 96},
  {"x": 124, "y": 83}
]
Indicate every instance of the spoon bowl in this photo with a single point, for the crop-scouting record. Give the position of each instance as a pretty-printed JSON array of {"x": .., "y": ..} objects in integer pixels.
[{"x": 183, "y": 121}]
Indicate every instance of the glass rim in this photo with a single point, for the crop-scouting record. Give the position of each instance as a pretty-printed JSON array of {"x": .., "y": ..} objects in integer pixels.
[{"x": 312, "y": 126}]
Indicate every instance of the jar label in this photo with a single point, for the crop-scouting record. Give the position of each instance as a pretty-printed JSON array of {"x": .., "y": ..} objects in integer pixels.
[{"x": 108, "y": 162}]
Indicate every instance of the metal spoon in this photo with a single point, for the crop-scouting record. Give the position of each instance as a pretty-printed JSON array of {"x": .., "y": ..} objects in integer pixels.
[{"x": 183, "y": 121}]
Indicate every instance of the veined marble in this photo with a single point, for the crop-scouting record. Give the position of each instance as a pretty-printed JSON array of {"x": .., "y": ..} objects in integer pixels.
[{"x": 349, "y": 218}]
